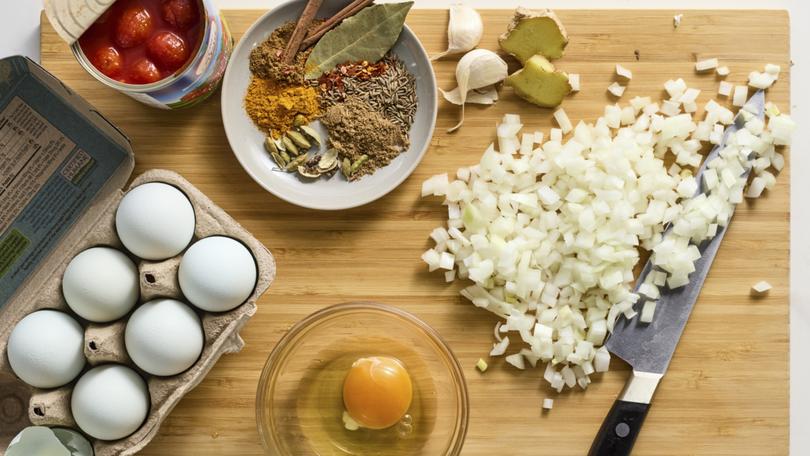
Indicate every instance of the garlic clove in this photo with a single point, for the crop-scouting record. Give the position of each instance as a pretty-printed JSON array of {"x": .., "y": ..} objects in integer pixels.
[
  {"x": 477, "y": 69},
  {"x": 484, "y": 96},
  {"x": 464, "y": 31}
]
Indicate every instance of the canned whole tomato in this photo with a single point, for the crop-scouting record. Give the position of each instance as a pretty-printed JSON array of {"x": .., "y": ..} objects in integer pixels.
[{"x": 169, "y": 54}]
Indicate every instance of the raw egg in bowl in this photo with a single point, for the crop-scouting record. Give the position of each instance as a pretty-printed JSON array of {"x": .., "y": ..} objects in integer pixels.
[{"x": 362, "y": 379}]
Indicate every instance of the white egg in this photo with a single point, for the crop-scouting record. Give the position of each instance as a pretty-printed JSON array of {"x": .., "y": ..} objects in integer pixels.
[
  {"x": 217, "y": 273},
  {"x": 155, "y": 221},
  {"x": 46, "y": 349},
  {"x": 164, "y": 337},
  {"x": 110, "y": 402},
  {"x": 101, "y": 284}
]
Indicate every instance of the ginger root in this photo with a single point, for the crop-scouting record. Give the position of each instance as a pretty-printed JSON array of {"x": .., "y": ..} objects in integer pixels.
[
  {"x": 534, "y": 32},
  {"x": 540, "y": 83}
]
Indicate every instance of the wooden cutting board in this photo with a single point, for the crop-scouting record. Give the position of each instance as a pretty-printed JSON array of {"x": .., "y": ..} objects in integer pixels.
[{"x": 726, "y": 392}]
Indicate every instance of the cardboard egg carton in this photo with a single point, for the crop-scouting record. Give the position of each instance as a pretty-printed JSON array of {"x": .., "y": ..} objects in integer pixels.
[{"x": 22, "y": 405}]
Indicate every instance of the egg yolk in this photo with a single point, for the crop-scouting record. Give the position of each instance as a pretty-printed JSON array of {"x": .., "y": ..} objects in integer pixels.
[{"x": 377, "y": 392}]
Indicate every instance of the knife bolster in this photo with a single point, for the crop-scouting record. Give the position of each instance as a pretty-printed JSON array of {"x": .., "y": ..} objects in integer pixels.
[{"x": 640, "y": 387}]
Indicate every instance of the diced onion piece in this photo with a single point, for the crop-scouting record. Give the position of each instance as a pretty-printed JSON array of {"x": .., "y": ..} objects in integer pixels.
[
  {"x": 675, "y": 87},
  {"x": 563, "y": 121},
  {"x": 740, "y": 95},
  {"x": 755, "y": 188},
  {"x": 761, "y": 287},
  {"x": 676, "y": 20},
  {"x": 760, "y": 80},
  {"x": 647, "y": 312},
  {"x": 624, "y": 72},
  {"x": 349, "y": 423},
  {"x": 436, "y": 185},
  {"x": 723, "y": 71},
  {"x": 526, "y": 143},
  {"x": 548, "y": 403},
  {"x": 616, "y": 89},
  {"x": 773, "y": 69},
  {"x": 499, "y": 348},
  {"x": 573, "y": 80},
  {"x": 601, "y": 360},
  {"x": 516, "y": 360},
  {"x": 538, "y": 137},
  {"x": 707, "y": 64},
  {"x": 481, "y": 365},
  {"x": 556, "y": 134},
  {"x": 725, "y": 88},
  {"x": 649, "y": 290},
  {"x": 670, "y": 108},
  {"x": 690, "y": 95}
]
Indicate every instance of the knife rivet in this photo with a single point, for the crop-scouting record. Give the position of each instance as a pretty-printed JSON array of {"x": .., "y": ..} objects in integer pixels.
[{"x": 622, "y": 429}]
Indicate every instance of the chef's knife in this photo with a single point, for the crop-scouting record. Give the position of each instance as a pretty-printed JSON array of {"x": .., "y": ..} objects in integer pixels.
[{"x": 648, "y": 348}]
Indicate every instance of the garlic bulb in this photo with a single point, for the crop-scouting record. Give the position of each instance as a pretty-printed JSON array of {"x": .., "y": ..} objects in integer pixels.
[
  {"x": 478, "y": 69},
  {"x": 464, "y": 30}
]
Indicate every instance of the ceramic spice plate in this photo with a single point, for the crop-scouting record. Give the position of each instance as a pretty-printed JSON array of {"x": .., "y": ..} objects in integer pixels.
[{"x": 333, "y": 192}]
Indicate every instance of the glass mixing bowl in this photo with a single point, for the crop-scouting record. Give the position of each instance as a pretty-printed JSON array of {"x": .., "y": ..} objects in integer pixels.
[{"x": 299, "y": 404}]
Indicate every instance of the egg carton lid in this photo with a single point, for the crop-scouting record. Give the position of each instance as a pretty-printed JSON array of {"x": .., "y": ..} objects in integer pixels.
[
  {"x": 63, "y": 163},
  {"x": 71, "y": 18}
]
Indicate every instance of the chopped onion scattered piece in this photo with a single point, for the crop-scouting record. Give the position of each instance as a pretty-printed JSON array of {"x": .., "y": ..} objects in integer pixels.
[
  {"x": 761, "y": 80},
  {"x": 516, "y": 360},
  {"x": 676, "y": 20},
  {"x": 624, "y": 72},
  {"x": 563, "y": 121},
  {"x": 725, "y": 88},
  {"x": 723, "y": 71},
  {"x": 761, "y": 287},
  {"x": 548, "y": 403},
  {"x": 616, "y": 89},
  {"x": 740, "y": 95},
  {"x": 647, "y": 312},
  {"x": 707, "y": 64},
  {"x": 573, "y": 80},
  {"x": 482, "y": 365},
  {"x": 500, "y": 348}
]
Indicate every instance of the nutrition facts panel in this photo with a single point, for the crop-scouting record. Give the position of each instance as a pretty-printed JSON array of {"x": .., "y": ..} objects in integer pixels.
[{"x": 31, "y": 149}]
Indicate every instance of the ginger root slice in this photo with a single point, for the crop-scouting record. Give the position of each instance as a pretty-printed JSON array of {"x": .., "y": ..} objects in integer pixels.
[
  {"x": 534, "y": 32},
  {"x": 540, "y": 83}
]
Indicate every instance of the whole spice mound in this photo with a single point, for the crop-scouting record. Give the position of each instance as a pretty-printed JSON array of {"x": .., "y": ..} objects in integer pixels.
[
  {"x": 266, "y": 59},
  {"x": 386, "y": 86},
  {"x": 356, "y": 130},
  {"x": 273, "y": 106}
]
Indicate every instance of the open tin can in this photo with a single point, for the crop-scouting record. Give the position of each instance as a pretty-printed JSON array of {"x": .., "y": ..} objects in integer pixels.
[{"x": 193, "y": 82}]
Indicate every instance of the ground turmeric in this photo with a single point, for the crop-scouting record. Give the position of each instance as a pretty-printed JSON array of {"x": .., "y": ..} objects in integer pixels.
[{"x": 273, "y": 106}]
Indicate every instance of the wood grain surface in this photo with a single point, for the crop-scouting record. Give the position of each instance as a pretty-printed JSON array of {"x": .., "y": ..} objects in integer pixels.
[{"x": 726, "y": 392}]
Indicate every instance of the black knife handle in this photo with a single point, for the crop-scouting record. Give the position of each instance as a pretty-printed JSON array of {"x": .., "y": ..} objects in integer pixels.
[{"x": 620, "y": 429}]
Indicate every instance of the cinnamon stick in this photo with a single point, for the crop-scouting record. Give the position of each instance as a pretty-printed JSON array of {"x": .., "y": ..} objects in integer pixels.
[
  {"x": 300, "y": 31},
  {"x": 350, "y": 10}
]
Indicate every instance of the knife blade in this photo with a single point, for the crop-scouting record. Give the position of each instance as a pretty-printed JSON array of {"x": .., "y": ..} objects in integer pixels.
[{"x": 648, "y": 347}]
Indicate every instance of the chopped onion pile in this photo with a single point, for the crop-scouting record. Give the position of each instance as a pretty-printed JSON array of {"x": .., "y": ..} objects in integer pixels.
[{"x": 549, "y": 232}]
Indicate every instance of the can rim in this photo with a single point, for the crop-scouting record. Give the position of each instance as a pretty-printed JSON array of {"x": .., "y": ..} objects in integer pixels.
[{"x": 82, "y": 58}]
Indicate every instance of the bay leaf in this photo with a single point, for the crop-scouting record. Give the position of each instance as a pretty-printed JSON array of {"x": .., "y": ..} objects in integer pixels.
[{"x": 368, "y": 35}]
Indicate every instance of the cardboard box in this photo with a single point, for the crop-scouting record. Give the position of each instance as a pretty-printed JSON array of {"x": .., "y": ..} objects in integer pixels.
[{"x": 62, "y": 169}]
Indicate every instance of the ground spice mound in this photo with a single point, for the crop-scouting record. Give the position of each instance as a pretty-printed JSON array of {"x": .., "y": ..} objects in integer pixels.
[
  {"x": 356, "y": 129},
  {"x": 273, "y": 105},
  {"x": 265, "y": 59}
]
